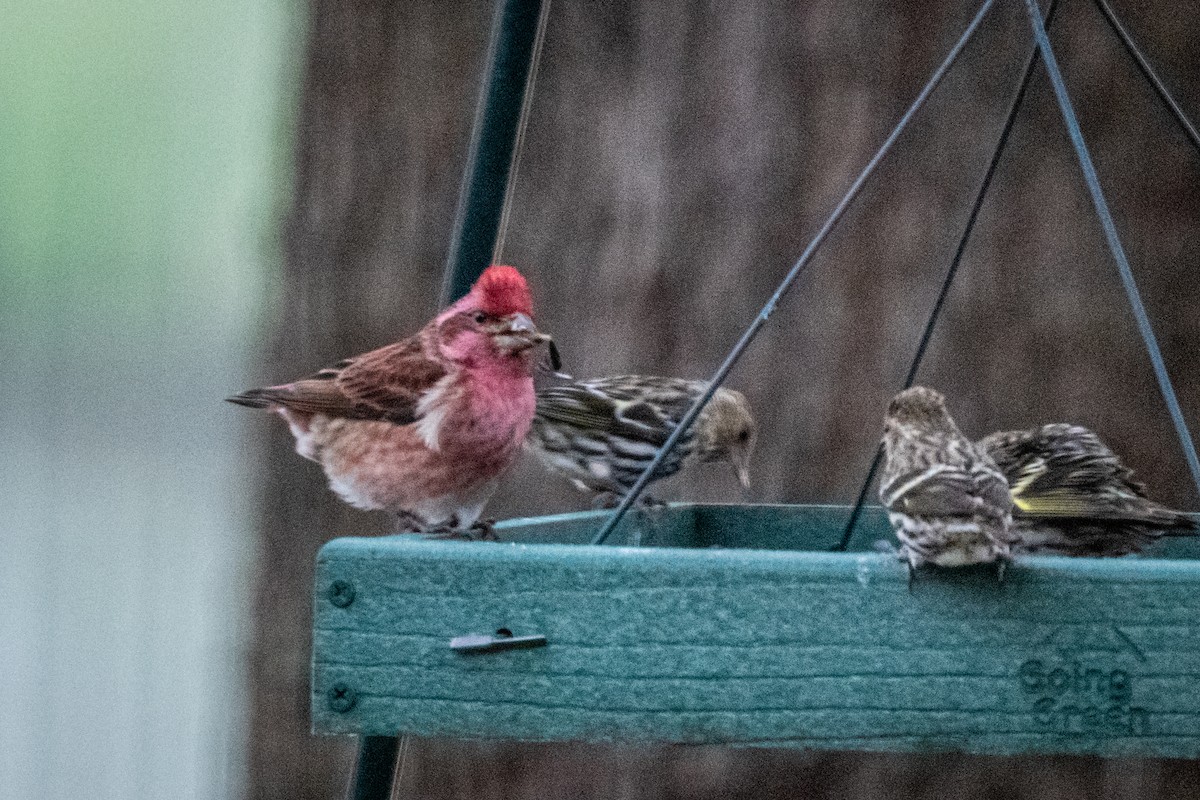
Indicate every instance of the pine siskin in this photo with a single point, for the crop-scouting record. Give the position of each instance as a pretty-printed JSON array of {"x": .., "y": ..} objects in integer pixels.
[
  {"x": 602, "y": 433},
  {"x": 947, "y": 501},
  {"x": 423, "y": 428},
  {"x": 1073, "y": 496}
]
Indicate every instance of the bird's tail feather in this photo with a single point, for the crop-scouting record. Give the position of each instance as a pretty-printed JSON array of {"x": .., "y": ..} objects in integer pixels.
[
  {"x": 252, "y": 398},
  {"x": 1183, "y": 525}
]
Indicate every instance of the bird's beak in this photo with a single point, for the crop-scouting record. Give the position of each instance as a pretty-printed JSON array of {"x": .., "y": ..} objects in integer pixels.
[
  {"x": 520, "y": 323},
  {"x": 743, "y": 475},
  {"x": 740, "y": 457},
  {"x": 519, "y": 333}
]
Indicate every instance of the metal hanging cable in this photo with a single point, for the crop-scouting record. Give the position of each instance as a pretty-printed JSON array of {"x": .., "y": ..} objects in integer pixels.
[
  {"x": 402, "y": 760},
  {"x": 751, "y": 332},
  {"x": 1114, "y": 242},
  {"x": 1143, "y": 64},
  {"x": 1013, "y": 108}
]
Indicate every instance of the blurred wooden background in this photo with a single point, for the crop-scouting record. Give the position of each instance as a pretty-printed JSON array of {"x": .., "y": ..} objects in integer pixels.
[
  {"x": 679, "y": 157},
  {"x": 140, "y": 150}
]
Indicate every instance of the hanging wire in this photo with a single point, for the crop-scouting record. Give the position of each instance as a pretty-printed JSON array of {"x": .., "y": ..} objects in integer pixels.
[
  {"x": 522, "y": 124},
  {"x": 751, "y": 332},
  {"x": 1144, "y": 65},
  {"x": 972, "y": 218},
  {"x": 401, "y": 765},
  {"x": 1114, "y": 242}
]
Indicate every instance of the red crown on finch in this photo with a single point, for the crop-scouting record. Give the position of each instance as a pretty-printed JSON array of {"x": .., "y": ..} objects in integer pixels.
[{"x": 501, "y": 290}]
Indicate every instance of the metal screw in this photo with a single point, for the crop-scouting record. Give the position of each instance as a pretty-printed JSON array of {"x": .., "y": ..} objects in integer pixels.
[
  {"x": 341, "y": 593},
  {"x": 342, "y": 698}
]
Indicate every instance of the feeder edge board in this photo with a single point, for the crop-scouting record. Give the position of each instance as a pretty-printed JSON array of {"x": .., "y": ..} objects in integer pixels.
[{"x": 754, "y": 647}]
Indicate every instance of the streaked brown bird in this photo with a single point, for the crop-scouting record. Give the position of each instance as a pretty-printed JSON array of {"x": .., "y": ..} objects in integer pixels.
[
  {"x": 1073, "y": 496},
  {"x": 603, "y": 433},
  {"x": 947, "y": 500},
  {"x": 425, "y": 427}
]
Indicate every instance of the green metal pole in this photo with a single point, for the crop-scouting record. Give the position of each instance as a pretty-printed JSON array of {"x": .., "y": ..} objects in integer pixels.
[
  {"x": 376, "y": 768},
  {"x": 493, "y": 139},
  {"x": 472, "y": 241}
]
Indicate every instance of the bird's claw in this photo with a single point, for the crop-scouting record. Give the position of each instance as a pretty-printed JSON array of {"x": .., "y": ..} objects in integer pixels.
[
  {"x": 481, "y": 531},
  {"x": 887, "y": 548},
  {"x": 407, "y": 523},
  {"x": 606, "y": 500}
]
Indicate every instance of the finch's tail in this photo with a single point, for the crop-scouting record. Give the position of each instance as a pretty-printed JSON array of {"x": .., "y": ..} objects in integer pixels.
[
  {"x": 1182, "y": 525},
  {"x": 252, "y": 398}
]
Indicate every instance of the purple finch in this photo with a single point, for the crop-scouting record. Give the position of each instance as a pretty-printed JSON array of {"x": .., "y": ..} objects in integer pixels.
[
  {"x": 602, "y": 433},
  {"x": 425, "y": 427}
]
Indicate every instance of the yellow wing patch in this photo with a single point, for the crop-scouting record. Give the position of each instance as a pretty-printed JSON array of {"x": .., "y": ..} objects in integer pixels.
[
  {"x": 1062, "y": 502},
  {"x": 1029, "y": 473}
]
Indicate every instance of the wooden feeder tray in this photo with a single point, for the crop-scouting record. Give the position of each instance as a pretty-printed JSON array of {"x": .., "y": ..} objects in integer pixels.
[{"x": 734, "y": 625}]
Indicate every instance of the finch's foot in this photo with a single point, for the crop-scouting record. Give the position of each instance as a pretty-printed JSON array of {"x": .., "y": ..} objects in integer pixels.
[
  {"x": 911, "y": 560},
  {"x": 1001, "y": 569},
  {"x": 887, "y": 548},
  {"x": 408, "y": 523},
  {"x": 606, "y": 500},
  {"x": 482, "y": 531}
]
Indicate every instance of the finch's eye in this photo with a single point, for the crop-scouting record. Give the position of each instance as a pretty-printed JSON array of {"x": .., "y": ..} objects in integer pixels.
[
  {"x": 744, "y": 436},
  {"x": 480, "y": 317}
]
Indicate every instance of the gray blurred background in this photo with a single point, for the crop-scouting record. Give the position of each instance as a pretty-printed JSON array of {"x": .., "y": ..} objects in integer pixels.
[{"x": 217, "y": 197}]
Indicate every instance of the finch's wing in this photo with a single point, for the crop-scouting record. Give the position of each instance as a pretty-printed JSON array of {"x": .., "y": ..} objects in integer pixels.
[
  {"x": 1039, "y": 495},
  {"x": 990, "y": 485},
  {"x": 1064, "y": 474},
  {"x": 942, "y": 490},
  {"x": 576, "y": 407},
  {"x": 1038, "y": 490},
  {"x": 673, "y": 396},
  {"x": 591, "y": 410},
  {"x": 1065, "y": 471},
  {"x": 385, "y": 384}
]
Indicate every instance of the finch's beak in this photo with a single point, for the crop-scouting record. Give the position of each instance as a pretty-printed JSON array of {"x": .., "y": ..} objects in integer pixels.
[
  {"x": 519, "y": 334},
  {"x": 741, "y": 467},
  {"x": 743, "y": 475}
]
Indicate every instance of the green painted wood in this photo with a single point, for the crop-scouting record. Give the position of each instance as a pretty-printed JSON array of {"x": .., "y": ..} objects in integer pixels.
[{"x": 732, "y": 645}]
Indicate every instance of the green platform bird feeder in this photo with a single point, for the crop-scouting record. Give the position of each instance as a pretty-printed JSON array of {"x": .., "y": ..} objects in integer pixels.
[{"x": 735, "y": 624}]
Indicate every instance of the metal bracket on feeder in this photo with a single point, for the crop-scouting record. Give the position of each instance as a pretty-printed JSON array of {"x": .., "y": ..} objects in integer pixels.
[{"x": 501, "y": 640}]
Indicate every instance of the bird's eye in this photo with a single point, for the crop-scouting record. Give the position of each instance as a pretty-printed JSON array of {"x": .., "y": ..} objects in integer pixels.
[
  {"x": 480, "y": 317},
  {"x": 744, "y": 436}
]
